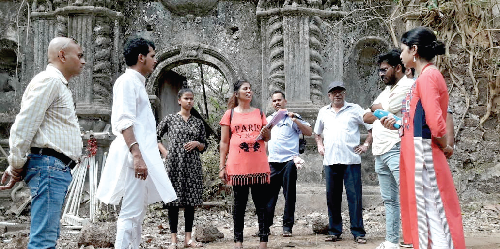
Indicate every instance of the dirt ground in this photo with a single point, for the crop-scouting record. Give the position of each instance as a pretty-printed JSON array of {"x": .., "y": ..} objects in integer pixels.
[{"x": 481, "y": 224}]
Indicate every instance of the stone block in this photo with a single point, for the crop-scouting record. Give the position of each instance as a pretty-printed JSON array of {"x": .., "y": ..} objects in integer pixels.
[
  {"x": 18, "y": 240},
  {"x": 98, "y": 235},
  {"x": 207, "y": 233},
  {"x": 320, "y": 224}
]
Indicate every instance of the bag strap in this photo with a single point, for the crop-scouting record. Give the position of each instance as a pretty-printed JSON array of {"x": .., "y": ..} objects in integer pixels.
[{"x": 230, "y": 119}]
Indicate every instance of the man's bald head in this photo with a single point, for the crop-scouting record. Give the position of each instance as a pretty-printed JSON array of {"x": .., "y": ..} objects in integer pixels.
[
  {"x": 66, "y": 55},
  {"x": 58, "y": 44}
]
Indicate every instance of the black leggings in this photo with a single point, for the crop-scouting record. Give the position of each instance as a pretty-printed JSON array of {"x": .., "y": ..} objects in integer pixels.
[
  {"x": 260, "y": 199},
  {"x": 173, "y": 218}
]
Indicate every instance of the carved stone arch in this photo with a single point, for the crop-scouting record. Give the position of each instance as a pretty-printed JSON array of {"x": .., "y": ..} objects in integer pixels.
[
  {"x": 360, "y": 74},
  {"x": 367, "y": 49},
  {"x": 191, "y": 53}
]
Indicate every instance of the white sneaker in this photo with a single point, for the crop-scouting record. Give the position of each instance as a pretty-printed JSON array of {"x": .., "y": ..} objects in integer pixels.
[
  {"x": 402, "y": 244},
  {"x": 388, "y": 245}
]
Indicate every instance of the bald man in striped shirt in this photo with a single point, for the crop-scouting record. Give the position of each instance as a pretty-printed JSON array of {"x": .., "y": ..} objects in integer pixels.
[{"x": 45, "y": 141}]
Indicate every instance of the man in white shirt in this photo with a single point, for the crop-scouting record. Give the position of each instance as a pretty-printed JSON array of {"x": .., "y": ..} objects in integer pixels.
[
  {"x": 340, "y": 146},
  {"x": 386, "y": 143},
  {"x": 134, "y": 169},
  {"x": 47, "y": 128}
]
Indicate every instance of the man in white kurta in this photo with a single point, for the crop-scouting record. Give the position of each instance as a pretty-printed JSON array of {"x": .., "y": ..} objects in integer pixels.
[{"x": 134, "y": 169}]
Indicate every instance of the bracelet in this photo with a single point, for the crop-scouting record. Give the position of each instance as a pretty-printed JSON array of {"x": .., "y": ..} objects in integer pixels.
[{"x": 132, "y": 144}]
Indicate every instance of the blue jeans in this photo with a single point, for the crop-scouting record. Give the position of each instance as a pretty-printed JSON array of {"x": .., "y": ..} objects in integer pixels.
[
  {"x": 283, "y": 175},
  {"x": 350, "y": 176},
  {"x": 387, "y": 168},
  {"x": 48, "y": 179}
]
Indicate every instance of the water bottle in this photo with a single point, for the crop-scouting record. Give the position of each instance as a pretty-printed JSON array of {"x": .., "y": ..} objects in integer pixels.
[{"x": 379, "y": 113}]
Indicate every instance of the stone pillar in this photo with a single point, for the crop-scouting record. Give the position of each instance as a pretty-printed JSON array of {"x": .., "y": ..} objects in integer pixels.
[
  {"x": 296, "y": 58},
  {"x": 43, "y": 32},
  {"x": 97, "y": 30},
  {"x": 80, "y": 28},
  {"x": 292, "y": 53}
]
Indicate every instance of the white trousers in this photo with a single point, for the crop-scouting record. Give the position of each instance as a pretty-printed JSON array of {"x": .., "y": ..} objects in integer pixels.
[
  {"x": 437, "y": 236},
  {"x": 134, "y": 206}
]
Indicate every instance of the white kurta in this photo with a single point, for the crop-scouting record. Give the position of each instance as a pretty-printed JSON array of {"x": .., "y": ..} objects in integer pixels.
[{"x": 131, "y": 106}]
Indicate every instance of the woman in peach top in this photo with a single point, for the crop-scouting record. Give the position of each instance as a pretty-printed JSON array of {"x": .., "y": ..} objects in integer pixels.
[{"x": 246, "y": 167}]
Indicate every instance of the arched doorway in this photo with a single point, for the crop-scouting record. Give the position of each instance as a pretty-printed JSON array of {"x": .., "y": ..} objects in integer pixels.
[
  {"x": 360, "y": 75},
  {"x": 171, "y": 74}
]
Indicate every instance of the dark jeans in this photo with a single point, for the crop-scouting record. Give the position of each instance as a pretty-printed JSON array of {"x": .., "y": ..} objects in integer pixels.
[
  {"x": 350, "y": 175},
  {"x": 173, "y": 218},
  {"x": 283, "y": 175},
  {"x": 260, "y": 198}
]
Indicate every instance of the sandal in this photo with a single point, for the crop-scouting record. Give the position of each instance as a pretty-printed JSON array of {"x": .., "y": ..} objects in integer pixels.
[
  {"x": 333, "y": 238},
  {"x": 360, "y": 240},
  {"x": 173, "y": 246},
  {"x": 193, "y": 244},
  {"x": 287, "y": 234}
]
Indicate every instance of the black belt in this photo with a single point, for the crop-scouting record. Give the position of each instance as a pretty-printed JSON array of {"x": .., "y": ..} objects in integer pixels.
[{"x": 50, "y": 152}]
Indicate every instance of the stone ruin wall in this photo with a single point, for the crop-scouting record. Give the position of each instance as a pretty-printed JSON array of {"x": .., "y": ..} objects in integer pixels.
[{"x": 296, "y": 46}]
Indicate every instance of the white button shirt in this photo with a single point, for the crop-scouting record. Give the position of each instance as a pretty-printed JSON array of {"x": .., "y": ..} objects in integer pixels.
[
  {"x": 340, "y": 133},
  {"x": 131, "y": 107},
  {"x": 391, "y": 100},
  {"x": 47, "y": 119}
]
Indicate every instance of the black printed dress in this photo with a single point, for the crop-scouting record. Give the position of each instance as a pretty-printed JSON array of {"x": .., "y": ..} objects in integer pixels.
[{"x": 183, "y": 167}]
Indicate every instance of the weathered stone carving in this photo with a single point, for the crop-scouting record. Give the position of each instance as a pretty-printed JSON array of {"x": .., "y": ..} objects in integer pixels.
[
  {"x": 276, "y": 54},
  {"x": 193, "y": 7},
  {"x": 315, "y": 59},
  {"x": 102, "y": 61},
  {"x": 295, "y": 3},
  {"x": 5, "y": 85},
  {"x": 191, "y": 51},
  {"x": 61, "y": 26},
  {"x": 41, "y": 5},
  {"x": 316, "y": 4}
]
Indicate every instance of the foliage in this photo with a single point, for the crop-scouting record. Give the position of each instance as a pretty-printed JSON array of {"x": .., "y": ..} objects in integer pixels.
[
  {"x": 469, "y": 31},
  {"x": 216, "y": 90},
  {"x": 214, "y": 188}
]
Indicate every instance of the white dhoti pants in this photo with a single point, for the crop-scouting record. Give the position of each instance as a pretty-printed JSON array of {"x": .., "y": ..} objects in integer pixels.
[{"x": 134, "y": 206}]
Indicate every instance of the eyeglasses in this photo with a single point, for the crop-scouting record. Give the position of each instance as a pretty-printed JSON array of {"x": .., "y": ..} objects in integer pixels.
[
  {"x": 384, "y": 70},
  {"x": 335, "y": 92}
]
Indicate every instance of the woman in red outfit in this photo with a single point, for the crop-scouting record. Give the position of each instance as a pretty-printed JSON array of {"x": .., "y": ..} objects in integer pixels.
[
  {"x": 246, "y": 167},
  {"x": 428, "y": 196}
]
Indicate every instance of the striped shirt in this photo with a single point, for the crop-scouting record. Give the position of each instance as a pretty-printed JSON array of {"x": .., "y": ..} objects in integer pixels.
[
  {"x": 47, "y": 119},
  {"x": 340, "y": 133}
]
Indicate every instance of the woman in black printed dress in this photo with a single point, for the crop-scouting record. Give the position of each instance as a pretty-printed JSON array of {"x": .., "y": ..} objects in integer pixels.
[{"x": 185, "y": 141}]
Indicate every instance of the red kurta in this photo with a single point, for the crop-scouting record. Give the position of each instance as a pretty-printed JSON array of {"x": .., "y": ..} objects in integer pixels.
[{"x": 424, "y": 117}]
